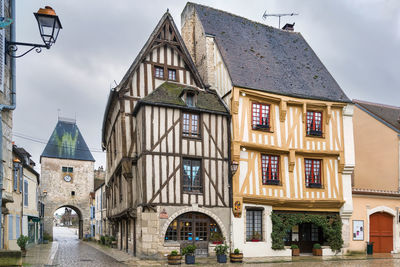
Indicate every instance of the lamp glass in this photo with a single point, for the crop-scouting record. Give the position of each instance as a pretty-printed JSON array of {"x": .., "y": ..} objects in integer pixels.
[{"x": 49, "y": 27}]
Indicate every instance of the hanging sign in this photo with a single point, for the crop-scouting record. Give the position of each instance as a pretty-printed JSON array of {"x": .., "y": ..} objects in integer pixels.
[
  {"x": 237, "y": 207},
  {"x": 163, "y": 214}
]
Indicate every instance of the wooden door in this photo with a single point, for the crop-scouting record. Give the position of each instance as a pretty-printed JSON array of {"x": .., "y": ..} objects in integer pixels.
[{"x": 381, "y": 232}]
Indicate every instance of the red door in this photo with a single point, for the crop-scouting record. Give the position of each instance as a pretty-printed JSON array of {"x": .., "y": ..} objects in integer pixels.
[{"x": 381, "y": 232}]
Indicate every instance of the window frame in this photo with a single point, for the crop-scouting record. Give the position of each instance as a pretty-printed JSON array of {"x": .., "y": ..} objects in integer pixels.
[
  {"x": 26, "y": 193},
  {"x": 191, "y": 134},
  {"x": 175, "y": 74},
  {"x": 318, "y": 134},
  {"x": 261, "y": 127},
  {"x": 249, "y": 238},
  {"x": 155, "y": 67},
  {"x": 267, "y": 181},
  {"x": 201, "y": 179},
  {"x": 312, "y": 168}
]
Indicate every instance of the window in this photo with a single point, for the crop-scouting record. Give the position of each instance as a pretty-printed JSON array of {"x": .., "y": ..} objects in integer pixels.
[
  {"x": 159, "y": 72},
  {"x": 72, "y": 193},
  {"x": 314, "y": 123},
  {"x": 270, "y": 169},
  {"x": 191, "y": 125},
  {"x": 253, "y": 225},
  {"x": 191, "y": 176},
  {"x": 120, "y": 188},
  {"x": 261, "y": 117},
  {"x": 67, "y": 169},
  {"x": 190, "y": 100},
  {"x": 25, "y": 192},
  {"x": 171, "y": 74},
  {"x": 17, "y": 226},
  {"x": 313, "y": 172}
]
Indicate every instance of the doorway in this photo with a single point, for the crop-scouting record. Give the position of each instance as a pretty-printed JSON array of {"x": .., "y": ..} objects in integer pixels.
[
  {"x": 305, "y": 235},
  {"x": 381, "y": 232}
]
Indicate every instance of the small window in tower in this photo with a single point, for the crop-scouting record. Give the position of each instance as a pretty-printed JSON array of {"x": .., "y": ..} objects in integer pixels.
[
  {"x": 72, "y": 193},
  {"x": 159, "y": 72},
  {"x": 171, "y": 74}
]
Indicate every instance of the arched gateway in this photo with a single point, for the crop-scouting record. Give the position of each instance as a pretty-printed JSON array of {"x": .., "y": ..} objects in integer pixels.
[{"x": 67, "y": 173}]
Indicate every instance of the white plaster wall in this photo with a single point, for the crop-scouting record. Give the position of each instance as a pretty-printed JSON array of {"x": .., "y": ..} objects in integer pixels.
[{"x": 255, "y": 249}]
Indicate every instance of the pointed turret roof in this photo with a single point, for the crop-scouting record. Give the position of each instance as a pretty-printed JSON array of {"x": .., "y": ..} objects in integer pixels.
[{"x": 66, "y": 142}]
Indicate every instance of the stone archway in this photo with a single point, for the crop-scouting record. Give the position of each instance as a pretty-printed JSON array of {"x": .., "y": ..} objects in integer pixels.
[
  {"x": 49, "y": 218},
  {"x": 194, "y": 209}
]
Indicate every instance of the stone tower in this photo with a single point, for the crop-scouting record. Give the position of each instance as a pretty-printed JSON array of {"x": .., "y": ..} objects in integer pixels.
[{"x": 67, "y": 174}]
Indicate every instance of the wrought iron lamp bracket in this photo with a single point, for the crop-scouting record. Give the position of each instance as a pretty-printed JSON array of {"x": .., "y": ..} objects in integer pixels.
[{"x": 12, "y": 47}]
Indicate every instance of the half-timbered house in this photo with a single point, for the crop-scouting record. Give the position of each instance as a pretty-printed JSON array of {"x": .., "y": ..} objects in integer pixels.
[
  {"x": 292, "y": 134},
  {"x": 167, "y": 141}
]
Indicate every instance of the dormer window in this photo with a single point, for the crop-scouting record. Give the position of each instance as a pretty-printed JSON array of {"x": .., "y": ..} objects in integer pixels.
[
  {"x": 172, "y": 74},
  {"x": 190, "y": 99},
  {"x": 159, "y": 72}
]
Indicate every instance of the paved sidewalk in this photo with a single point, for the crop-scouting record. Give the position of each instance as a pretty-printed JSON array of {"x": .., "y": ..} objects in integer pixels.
[
  {"x": 210, "y": 261},
  {"x": 41, "y": 254}
]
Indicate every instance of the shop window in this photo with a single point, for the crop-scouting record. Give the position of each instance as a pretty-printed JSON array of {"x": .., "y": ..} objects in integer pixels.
[
  {"x": 314, "y": 123},
  {"x": 270, "y": 169},
  {"x": 253, "y": 225},
  {"x": 261, "y": 117},
  {"x": 313, "y": 173}
]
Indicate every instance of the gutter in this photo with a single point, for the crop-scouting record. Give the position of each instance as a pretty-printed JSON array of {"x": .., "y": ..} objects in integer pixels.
[{"x": 10, "y": 107}]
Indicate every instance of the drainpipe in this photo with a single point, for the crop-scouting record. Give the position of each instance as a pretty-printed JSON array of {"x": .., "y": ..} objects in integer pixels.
[{"x": 7, "y": 108}]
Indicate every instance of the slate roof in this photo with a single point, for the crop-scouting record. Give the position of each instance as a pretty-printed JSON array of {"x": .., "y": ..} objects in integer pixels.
[
  {"x": 66, "y": 142},
  {"x": 169, "y": 94},
  {"x": 387, "y": 114},
  {"x": 269, "y": 59}
]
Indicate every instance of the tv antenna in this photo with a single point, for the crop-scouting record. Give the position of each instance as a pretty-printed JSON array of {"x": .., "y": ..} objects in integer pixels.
[{"x": 278, "y": 15}]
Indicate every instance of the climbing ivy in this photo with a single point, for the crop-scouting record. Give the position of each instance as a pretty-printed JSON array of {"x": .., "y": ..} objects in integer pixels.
[{"x": 283, "y": 223}]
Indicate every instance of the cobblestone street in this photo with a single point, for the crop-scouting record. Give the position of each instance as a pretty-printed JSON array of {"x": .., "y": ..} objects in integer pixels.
[{"x": 72, "y": 252}]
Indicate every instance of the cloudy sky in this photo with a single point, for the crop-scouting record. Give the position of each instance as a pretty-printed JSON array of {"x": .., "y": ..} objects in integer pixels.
[{"x": 357, "y": 40}]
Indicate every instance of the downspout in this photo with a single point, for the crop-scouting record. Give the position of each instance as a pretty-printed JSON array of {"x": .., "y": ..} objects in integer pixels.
[{"x": 8, "y": 108}]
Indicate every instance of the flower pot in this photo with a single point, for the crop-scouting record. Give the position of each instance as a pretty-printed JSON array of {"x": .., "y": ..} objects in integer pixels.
[
  {"x": 221, "y": 258},
  {"x": 295, "y": 252},
  {"x": 255, "y": 240},
  {"x": 236, "y": 258},
  {"x": 190, "y": 259},
  {"x": 217, "y": 242},
  {"x": 174, "y": 260},
  {"x": 317, "y": 251}
]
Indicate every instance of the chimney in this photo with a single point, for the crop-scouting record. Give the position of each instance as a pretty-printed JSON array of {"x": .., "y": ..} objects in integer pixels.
[{"x": 288, "y": 27}]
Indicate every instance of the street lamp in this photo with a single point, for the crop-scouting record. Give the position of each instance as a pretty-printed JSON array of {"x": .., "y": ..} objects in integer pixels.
[{"x": 49, "y": 27}]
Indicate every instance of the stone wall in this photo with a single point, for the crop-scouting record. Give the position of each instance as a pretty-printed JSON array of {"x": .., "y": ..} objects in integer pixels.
[{"x": 59, "y": 191}]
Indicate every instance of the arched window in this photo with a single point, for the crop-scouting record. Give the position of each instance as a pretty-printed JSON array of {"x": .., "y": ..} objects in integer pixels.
[{"x": 192, "y": 226}]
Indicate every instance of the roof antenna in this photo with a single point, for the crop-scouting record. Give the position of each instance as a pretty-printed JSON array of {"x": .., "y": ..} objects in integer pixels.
[
  {"x": 278, "y": 15},
  {"x": 167, "y": 10},
  {"x": 58, "y": 114}
]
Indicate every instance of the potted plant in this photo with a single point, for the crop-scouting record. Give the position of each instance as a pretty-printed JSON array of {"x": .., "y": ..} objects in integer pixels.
[
  {"x": 317, "y": 250},
  {"x": 216, "y": 238},
  {"x": 21, "y": 241},
  {"x": 236, "y": 256},
  {"x": 221, "y": 251},
  {"x": 295, "y": 250},
  {"x": 188, "y": 251},
  {"x": 256, "y": 237},
  {"x": 174, "y": 258}
]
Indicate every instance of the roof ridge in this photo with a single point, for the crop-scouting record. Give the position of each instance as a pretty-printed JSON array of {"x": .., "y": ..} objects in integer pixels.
[
  {"x": 253, "y": 21},
  {"x": 374, "y": 103}
]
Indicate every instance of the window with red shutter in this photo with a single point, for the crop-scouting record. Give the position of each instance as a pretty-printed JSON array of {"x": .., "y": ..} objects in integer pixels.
[
  {"x": 261, "y": 116},
  {"x": 270, "y": 169},
  {"x": 313, "y": 173},
  {"x": 314, "y": 123}
]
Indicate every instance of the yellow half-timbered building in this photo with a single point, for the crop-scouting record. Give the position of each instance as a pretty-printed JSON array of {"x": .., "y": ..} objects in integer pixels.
[{"x": 292, "y": 133}]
